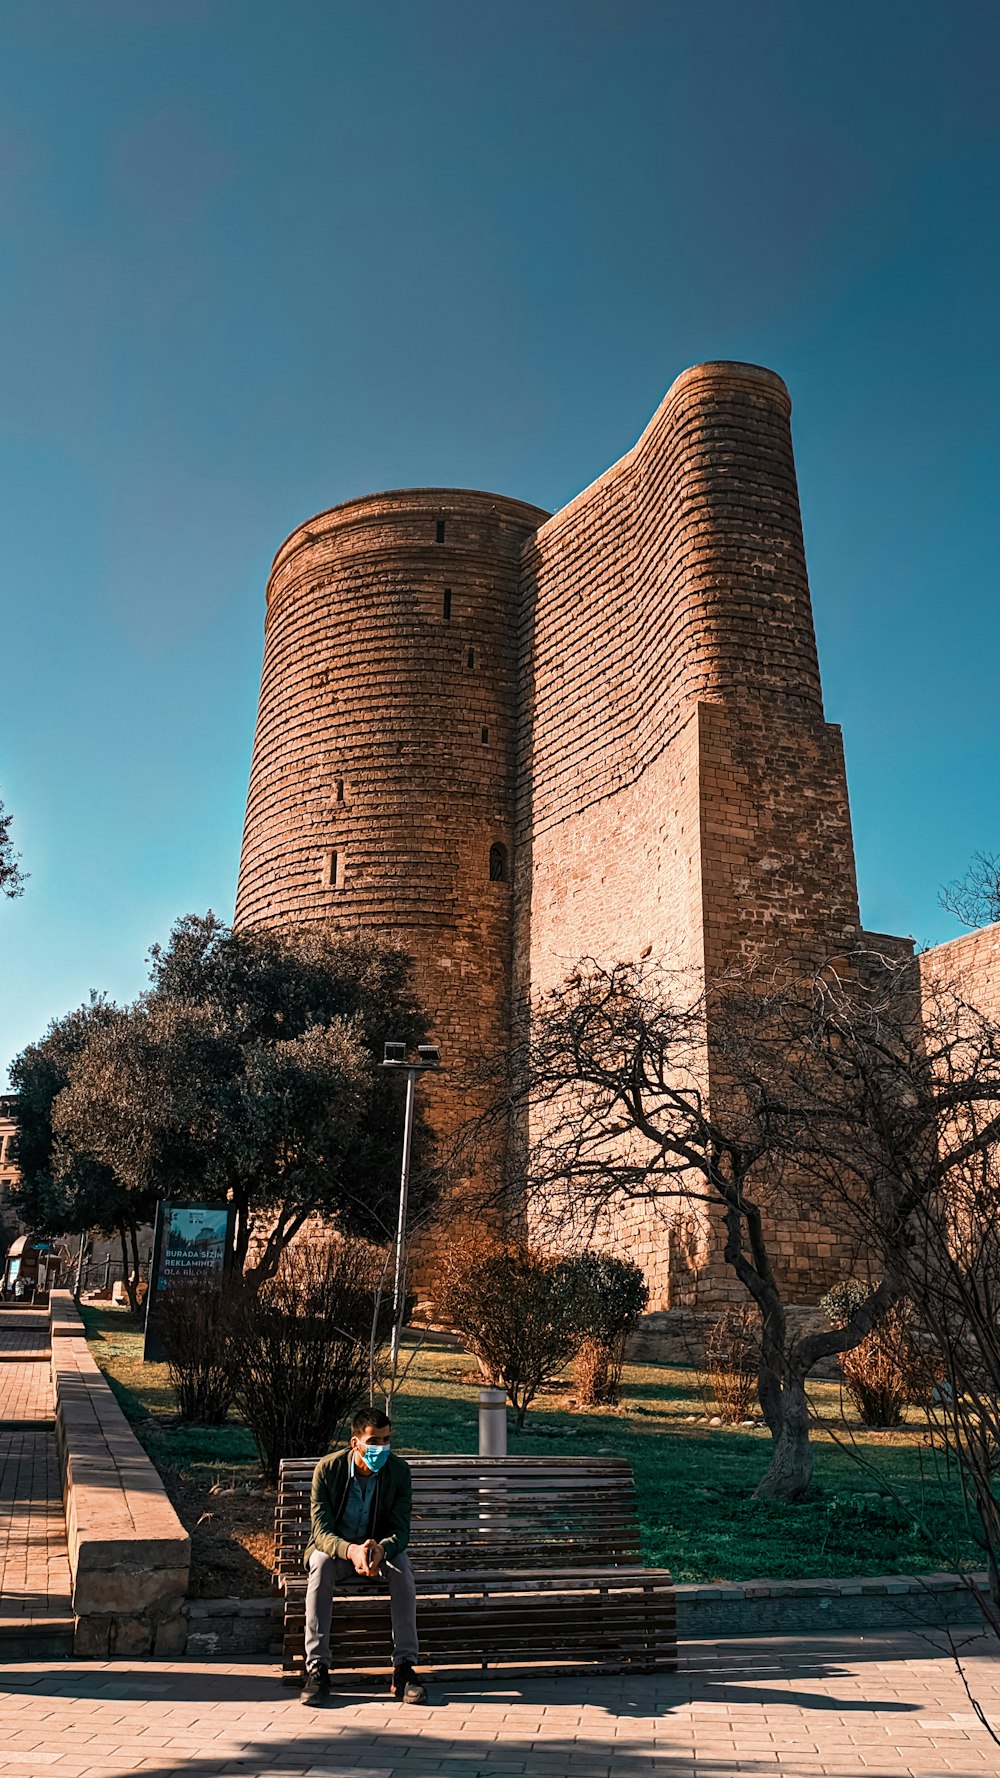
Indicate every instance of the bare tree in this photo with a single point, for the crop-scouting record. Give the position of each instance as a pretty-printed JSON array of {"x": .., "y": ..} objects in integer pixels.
[
  {"x": 975, "y": 898},
  {"x": 760, "y": 1100},
  {"x": 948, "y": 1263}
]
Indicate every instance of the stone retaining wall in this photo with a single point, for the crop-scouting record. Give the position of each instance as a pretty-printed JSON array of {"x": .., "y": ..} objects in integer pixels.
[
  {"x": 129, "y": 1554},
  {"x": 234, "y": 1627},
  {"x": 244, "y": 1627},
  {"x": 791, "y": 1607}
]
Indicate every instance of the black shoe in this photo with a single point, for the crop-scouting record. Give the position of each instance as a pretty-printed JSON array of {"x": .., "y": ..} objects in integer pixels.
[
  {"x": 316, "y": 1685},
  {"x": 406, "y": 1685}
]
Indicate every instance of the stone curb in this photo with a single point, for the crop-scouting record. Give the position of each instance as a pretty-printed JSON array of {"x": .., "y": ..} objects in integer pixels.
[
  {"x": 704, "y": 1613},
  {"x": 234, "y": 1627},
  {"x": 860, "y": 1602},
  {"x": 129, "y": 1554}
]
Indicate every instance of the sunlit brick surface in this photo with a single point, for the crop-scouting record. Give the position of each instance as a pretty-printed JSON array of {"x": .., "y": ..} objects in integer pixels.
[
  {"x": 34, "y": 1563},
  {"x": 887, "y": 1707}
]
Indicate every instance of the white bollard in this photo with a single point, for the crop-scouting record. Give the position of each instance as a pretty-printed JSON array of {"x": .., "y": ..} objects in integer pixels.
[{"x": 492, "y": 1423}]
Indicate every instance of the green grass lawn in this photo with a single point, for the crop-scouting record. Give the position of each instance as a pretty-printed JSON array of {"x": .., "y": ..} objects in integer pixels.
[{"x": 695, "y": 1482}]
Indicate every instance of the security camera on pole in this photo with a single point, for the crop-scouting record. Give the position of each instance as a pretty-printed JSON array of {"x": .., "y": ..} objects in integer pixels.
[{"x": 394, "y": 1056}]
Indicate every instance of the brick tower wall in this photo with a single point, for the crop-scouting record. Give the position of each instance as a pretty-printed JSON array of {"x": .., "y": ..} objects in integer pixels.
[
  {"x": 383, "y": 763},
  {"x": 679, "y": 787}
]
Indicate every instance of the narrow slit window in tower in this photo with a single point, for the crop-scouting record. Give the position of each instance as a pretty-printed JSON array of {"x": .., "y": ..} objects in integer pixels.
[
  {"x": 484, "y": 736},
  {"x": 334, "y": 868},
  {"x": 439, "y": 532},
  {"x": 446, "y": 605},
  {"x": 340, "y": 790},
  {"x": 470, "y": 659},
  {"x": 498, "y": 864}
]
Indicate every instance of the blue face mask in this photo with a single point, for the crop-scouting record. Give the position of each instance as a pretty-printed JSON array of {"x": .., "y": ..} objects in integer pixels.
[{"x": 375, "y": 1456}]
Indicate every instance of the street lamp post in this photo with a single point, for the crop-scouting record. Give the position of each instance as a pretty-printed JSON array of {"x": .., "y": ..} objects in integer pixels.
[
  {"x": 78, "y": 1279},
  {"x": 428, "y": 1058}
]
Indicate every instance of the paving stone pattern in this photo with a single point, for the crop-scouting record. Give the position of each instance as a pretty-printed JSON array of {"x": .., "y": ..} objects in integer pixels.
[
  {"x": 25, "y": 1384},
  {"x": 35, "y": 1610},
  {"x": 844, "y": 1707}
]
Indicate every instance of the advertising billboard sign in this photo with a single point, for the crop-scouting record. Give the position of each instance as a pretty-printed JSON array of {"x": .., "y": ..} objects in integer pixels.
[{"x": 191, "y": 1245}]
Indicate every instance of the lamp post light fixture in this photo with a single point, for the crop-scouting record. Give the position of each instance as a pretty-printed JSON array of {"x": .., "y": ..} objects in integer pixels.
[{"x": 428, "y": 1058}]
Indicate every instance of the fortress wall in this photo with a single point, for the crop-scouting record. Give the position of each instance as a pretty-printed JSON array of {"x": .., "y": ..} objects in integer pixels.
[
  {"x": 678, "y": 784},
  {"x": 370, "y": 745},
  {"x": 777, "y": 849},
  {"x": 967, "y": 969},
  {"x": 969, "y": 966},
  {"x": 623, "y": 877},
  {"x": 778, "y": 873}
]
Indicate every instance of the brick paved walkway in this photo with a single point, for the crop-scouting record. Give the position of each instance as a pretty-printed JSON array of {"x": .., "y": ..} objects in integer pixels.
[
  {"x": 25, "y": 1384},
  {"x": 35, "y": 1612},
  {"x": 883, "y": 1707}
]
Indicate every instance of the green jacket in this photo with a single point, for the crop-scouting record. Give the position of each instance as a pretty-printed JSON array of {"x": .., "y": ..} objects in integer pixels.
[{"x": 390, "y": 1513}]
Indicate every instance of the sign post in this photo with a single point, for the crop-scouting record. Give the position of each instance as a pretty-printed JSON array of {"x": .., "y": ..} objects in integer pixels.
[{"x": 191, "y": 1245}]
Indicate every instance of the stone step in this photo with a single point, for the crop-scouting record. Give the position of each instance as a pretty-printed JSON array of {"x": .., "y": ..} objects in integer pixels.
[{"x": 44, "y": 1639}]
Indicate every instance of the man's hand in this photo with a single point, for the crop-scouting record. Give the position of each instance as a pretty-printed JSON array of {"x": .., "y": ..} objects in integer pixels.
[
  {"x": 358, "y": 1554},
  {"x": 367, "y": 1557},
  {"x": 375, "y": 1556}
]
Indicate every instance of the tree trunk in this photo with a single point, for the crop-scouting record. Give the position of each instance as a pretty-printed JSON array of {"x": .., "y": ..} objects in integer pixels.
[
  {"x": 133, "y": 1289},
  {"x": 286, "y": 1227},
  {"x": 126, "y": 1272},
  {"x": 790, "y": 1470}
]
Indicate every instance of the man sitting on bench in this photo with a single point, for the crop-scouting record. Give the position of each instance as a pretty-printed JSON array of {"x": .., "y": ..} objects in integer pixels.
[{"x": 360, "y": 1512}]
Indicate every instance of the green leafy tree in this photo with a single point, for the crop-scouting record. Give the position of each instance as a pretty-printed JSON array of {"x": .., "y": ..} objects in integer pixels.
[
  {"x": 250, "y": 1072},
  {"x": 62, "y": 1190},
  {"x": 11, "y": 874},
  {"x": 612, "y": 1294},
  {"x": 517, "y": 1310}
]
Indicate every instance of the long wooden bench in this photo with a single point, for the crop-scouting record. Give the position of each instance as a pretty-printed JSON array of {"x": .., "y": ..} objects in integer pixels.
[{"x": 517, "y": 1559}]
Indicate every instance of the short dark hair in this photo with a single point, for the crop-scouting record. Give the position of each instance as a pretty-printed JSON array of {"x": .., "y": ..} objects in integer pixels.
[{"x": 366, "y": 1417}]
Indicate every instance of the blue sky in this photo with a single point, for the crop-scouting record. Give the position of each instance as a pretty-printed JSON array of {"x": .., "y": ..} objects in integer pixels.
[{"x": 257, "y": 256}]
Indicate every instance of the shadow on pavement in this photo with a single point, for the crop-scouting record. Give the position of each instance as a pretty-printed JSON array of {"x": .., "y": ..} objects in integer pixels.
[
  {"x": 229, "y": 1719},
  {"x": 772, "y": 1670}
]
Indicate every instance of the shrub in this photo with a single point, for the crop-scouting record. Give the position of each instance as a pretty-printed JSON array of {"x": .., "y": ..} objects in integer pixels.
[
  {"x": 197, "y": 1336},
  {"x": 732, "y": 1358},
  {"x": 611, "y": 1294},
  {"x": 308, "y": 1346},
  {"x": 888, "y": 1368},
  {"x": 517, "y": 1311}
]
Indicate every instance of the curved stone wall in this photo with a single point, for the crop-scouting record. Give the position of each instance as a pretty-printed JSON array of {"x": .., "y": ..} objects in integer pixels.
[
  {"x": 383, "y": 765},
  {"x": 679, "y": 575}
]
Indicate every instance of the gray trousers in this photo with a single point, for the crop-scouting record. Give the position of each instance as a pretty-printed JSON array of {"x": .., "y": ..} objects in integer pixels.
[{"x": 327, "y": 1572}]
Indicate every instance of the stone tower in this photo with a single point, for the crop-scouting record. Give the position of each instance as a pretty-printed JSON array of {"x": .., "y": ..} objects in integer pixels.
[
  {"x": 680, "y": 789},
  {"x": 514, "y": 740},
  {"x": 383, "y": 775}
]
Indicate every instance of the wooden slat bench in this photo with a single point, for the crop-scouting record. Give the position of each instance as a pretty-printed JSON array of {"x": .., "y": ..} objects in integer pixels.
[{"x": 517, "y": 1559}]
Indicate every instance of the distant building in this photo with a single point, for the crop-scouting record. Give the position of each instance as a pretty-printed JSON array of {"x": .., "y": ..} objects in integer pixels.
[{"x": 9, "y": 1174}]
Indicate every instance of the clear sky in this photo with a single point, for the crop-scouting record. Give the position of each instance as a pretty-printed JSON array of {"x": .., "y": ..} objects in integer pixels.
[{"x": 257, "y": 256}]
